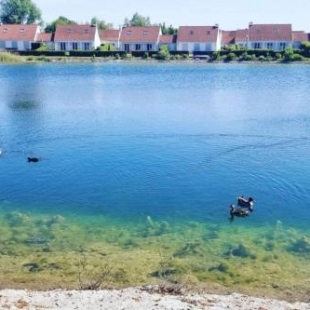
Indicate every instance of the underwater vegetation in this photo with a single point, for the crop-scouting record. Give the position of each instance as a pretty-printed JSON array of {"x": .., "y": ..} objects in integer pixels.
[{"x": 98, "y": 252}]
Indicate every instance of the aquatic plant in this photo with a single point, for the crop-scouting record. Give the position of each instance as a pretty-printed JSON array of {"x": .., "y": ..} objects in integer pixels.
[
  {"x": 240, "y": 251},
  {"x": 91, "y": 279},
  {"x": 155, "y": 228},
  {"x": 190, "y": 248},
  {"x": 301, "y": 246},
  {"x": 17, "y": 219}
]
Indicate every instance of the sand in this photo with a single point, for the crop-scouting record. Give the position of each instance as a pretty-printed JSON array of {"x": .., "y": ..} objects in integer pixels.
[{"x": 136, "y": 298}]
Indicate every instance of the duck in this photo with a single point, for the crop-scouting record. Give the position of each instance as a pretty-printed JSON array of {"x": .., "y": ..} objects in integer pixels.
[
  {"x": 32, "y": 159},
  {"x": 240, "y": 212},
  {"x": 244, "y": 202}
]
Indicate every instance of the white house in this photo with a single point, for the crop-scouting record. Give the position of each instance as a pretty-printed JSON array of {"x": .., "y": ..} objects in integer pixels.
[
  {"x": 198, "y": 38},
  {"x": 18, "y": 37},
  {"x": 76, "y": 37}
]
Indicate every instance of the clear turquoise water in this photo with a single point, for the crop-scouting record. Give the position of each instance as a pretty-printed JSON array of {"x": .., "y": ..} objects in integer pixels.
[
  {"x": 176, "y": 141},
  {"x": 146, "y": 158}
]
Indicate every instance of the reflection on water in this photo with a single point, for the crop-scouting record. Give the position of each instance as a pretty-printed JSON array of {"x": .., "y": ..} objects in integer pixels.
[{"x": 139, "y": 164}]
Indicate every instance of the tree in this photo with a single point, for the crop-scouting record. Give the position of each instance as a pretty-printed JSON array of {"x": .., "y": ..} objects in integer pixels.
[
  {"x": 168, "y": 30},
  {"x": 19, "y": 12},
  {"x": 101, "y": 24},
  {"x": 61, "y": 20},
  {"x": 137, "y": 20}
]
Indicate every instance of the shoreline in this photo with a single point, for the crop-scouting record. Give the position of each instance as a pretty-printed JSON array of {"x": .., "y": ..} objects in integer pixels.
[{"x": 137, "y": 298}]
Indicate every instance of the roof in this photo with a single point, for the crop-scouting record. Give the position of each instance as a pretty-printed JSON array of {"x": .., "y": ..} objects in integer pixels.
[
  {"x": 133, "y": 34},
  {"x": 242, "y": 35},
  {"x": 270, "y": 32},
  {"x": 197, "y": 33},
  {"x": 75, "y": 33},
  {"x": 109, "y": 34},
  {"x": 168, "y": 38},
  {"x": 18, "y": 32},
  {"x": 228, "y": 37},
  {"x": 300, "y": 36},
  {"x": 45, "y": 37}
]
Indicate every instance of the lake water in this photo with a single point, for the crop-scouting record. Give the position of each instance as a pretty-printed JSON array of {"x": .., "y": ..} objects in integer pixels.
[{"x": 167, "y": 147}]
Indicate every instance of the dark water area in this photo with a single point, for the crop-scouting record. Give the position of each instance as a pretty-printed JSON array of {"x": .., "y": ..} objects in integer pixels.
[{"x": 128, "y": 144}]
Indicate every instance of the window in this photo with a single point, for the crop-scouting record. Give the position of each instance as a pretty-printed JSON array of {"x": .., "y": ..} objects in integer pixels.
[
  {"x": 68, "y": 30},
  {"x": 74, "y": 46},
  {"x": 144, "y": 32},
  {"x": 269, "y": 46},
  {"x": 138, "y": 47},
  {"x": 257, "y": 45},
  {"x": 282, "y": 45},
  {"x": 191, "y": 32},
  {"x": 86, "y": 46},
  {"x": 126, "y": 47},
  {"x": 62, "y": 46},
  {"x": 149, "y": 47},
  {"x": 22, "y": 30},
  {"x": 208, "y": 32}
]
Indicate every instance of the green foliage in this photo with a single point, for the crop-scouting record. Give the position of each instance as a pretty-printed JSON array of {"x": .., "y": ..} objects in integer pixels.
[
  {"x": 290, "y": 55},
  {"x": 19, "y": 12},
  {"x": 101, "y": 24},
  {"x": 106, "y": 48},
  {"x": 61, "y": 20},
  {"x": 163, "y": 53},
  {"x": 305, "y": 49},
  {"x": 231, "y": 56},
  {"x": 168, "y": 30},
  {"x": 137, "y": 20}
]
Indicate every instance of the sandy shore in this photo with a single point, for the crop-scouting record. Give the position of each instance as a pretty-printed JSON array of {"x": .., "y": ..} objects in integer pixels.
[{"x": 136, "y": 299}]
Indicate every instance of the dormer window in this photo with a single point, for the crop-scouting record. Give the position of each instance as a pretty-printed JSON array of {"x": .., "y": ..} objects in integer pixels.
[
  {"x": 86, "y": 30},
  {"x": 68, "y": 30},
  {"x": 22, "y": 30},
  {"x": 191, "y": 32},
  {"x": 5, "y": 30},
  {"x": 144, "y": 32},
  {"x": 208, "y": 32},
  {"x": 129, "y": 32}
]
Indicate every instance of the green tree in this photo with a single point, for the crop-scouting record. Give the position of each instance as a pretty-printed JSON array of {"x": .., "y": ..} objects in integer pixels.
[
  {"x": 19, "y": 12},
  {"x": 61, "y": 20},
  {"x": 101, "y": 24},
  {"x": 137, "y": 20},
  {"x": 168, "y": 30}
]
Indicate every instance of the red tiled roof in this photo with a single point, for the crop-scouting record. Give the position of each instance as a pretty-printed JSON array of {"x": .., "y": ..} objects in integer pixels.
[
  {"x": 270, "y": 32},
  {"x": 228, "y": 37},
  {"x": 140, "y": 34},
  {"x": 300, "y": 36},
  {"x": 242, "y": 35},
  {"x": 18, "y": 32},
  {"x": 109, "y": 34},
  {"x": 45, "y": 37},
  {"x": 168, "y": 38},
  {"x": 75, "y": 33},
  {"x": 197, "y": 34}
]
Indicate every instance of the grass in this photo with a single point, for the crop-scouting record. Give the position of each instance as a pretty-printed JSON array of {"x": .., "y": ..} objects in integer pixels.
[{"x": 6, "y": 57}]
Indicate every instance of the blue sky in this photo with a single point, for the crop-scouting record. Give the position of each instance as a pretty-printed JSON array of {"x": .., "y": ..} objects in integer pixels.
[{"x": 228, "y": 14}]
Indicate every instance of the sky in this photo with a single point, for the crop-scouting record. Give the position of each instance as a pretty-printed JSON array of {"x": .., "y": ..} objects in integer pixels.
[{"x": 228, "y": 14}]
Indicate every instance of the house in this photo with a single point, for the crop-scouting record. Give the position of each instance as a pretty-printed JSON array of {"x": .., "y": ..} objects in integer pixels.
[
  {"x": 242, "y": 38},
  {"x": 47, "y": 39},
  {"x": 198, "y": 38},
  {"x": 275, "y": 37},
  {"x": 110, "y": 36},
  {"x": 18, "y": 37},
  {"x": 145, "y": 38},
  {"x": 228, "y": 38},
  {"x": 169, "y": 40},
  {"x": 298, "y": 38},
  {"x": 76, "y": 37}
]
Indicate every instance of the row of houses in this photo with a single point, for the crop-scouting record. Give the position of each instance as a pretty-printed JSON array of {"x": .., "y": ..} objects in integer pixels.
[{"x": 149, "y": 38}]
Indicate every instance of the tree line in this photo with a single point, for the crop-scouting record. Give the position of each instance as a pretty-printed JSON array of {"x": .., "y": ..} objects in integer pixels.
[{"x": 27, "y": 12}]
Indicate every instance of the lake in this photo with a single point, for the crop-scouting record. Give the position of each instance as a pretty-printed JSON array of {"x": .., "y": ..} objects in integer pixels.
[{"x": 138, "y": 159}]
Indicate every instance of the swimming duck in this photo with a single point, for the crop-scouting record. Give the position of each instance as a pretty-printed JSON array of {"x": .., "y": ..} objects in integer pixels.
[
  {"x": 238, "y": 212},
  {"x": 244, "y": 202},
  {"x": 32, "y": 159}
]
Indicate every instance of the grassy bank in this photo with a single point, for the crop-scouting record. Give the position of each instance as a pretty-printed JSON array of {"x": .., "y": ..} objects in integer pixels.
[{"x": 6, "y": 57}]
